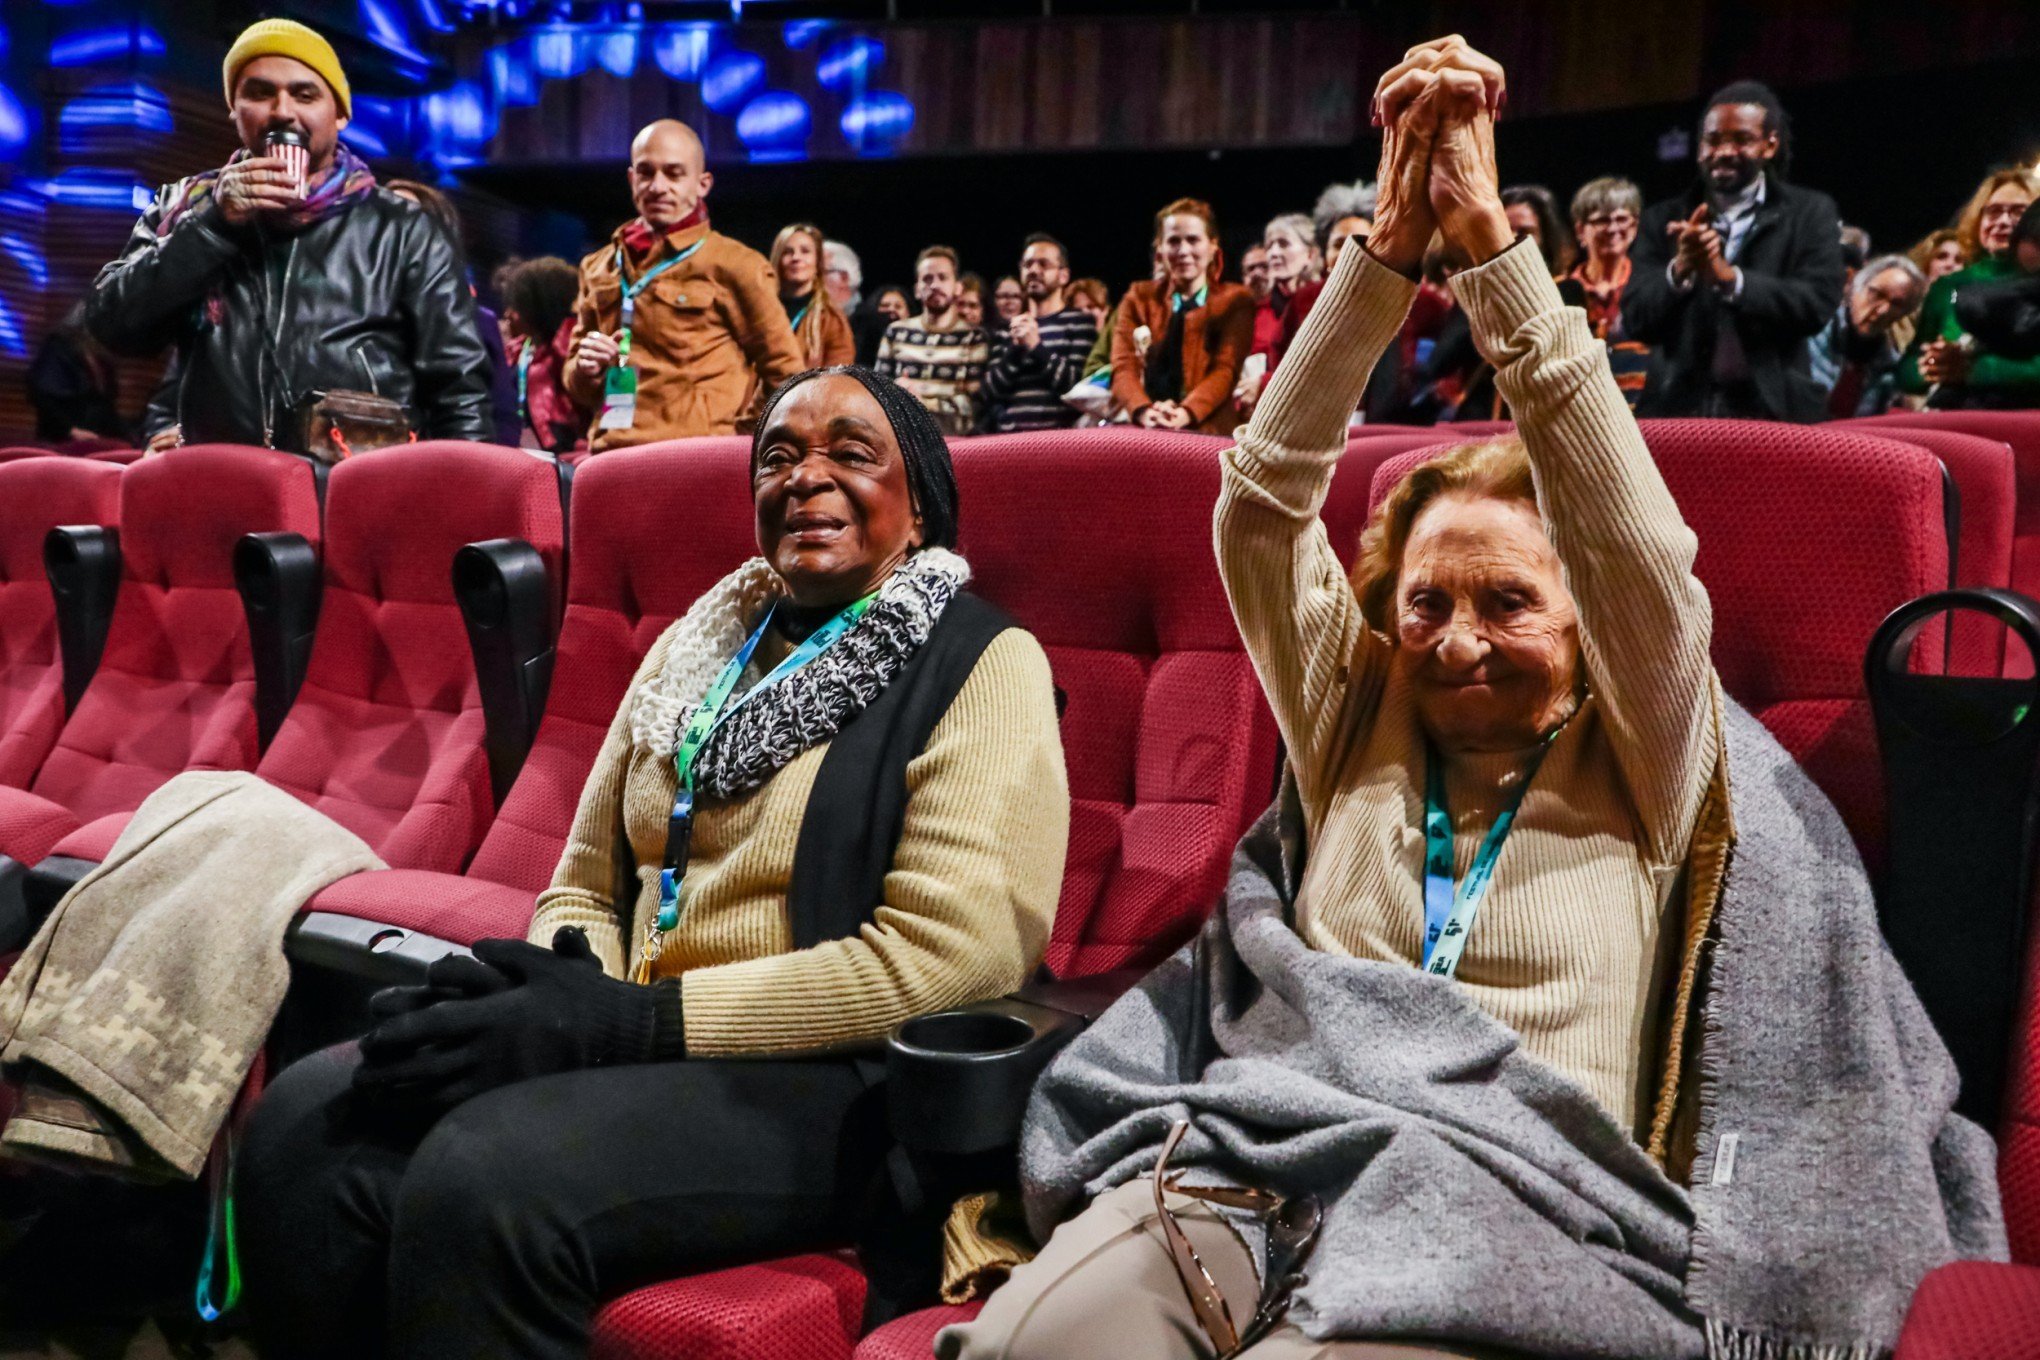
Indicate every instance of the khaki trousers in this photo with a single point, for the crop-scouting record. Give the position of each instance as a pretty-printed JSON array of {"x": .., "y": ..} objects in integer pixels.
[{"x": 1104, "y": 1288}]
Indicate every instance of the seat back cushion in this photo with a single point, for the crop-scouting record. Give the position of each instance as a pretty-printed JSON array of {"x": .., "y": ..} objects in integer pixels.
[
  {"x": 653, "y": 528},
  {"x": 175, "y": 688},
  {"x": 37, "y": 495},
  {"x": 386, "y": 736}
]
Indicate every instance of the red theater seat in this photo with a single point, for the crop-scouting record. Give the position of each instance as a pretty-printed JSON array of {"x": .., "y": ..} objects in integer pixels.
[
  {"x": 2020, "y": 430},
  {"x": 36, "y": 495},
  {"x": 174, "y": 689},
  {"x": 652, "y": 528}
]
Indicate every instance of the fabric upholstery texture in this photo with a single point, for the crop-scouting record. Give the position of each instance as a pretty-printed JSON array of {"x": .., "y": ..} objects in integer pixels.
[
  {"x": 799, "y": 1308},
  {"x": 175, "y": 688},
  {"x": 2020, "y": 430},
  {"x": 36, "y": 495},
  {"x": 913, "y": 1336},
  {"x": 1974, "y": 1310}
]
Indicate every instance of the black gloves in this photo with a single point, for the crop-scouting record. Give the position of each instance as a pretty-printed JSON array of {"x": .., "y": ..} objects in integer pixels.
[{"x": 512, "y": 1012}]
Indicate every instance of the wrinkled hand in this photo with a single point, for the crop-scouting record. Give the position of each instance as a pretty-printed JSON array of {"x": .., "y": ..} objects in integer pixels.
[
  {"x": 511, "y": 1013},
  {"x": 1025, "y": 331},
  {"x": 1943, "y": 363},
  {"x": 596, "y": 354},
  {"x": 1465, "y": 187},
  {"x": 253, "y": 186},
  {"x": 1443, "y": 91}
]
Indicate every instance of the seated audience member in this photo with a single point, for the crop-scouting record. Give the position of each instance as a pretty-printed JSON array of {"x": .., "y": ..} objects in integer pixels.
[
  {"x": 1604, "y": 217},
  {"x": 1009, "y": 299},
  {"x": 367, "y": 286},
  {"x": 1946, "y": 365},
  {"x": 1342, "y": 214},
  {"x": 970, "y": 300},
  {"x": 1939, "y": 253},
  {"x": 74, "y": 387},
  {"x": 538, "y": 311},
  {"x": 1293, "y": 264},
  {"x": 1254, "y": 273},
  {"x": 1093, "y": 299},
  {"x": 679, "y": 327},
  {"x": 502, "y": 384},
  {"x": 1039, "y": 354},
  {"x": 1854, "y": 357},
  {"x": 1470, "y": 1121},
  {"x": 1733, "y": 278},
  {"x": 843, "y": 281},
  {"x": 1533, "y": 212},
  {"x": 893, "y": 303},
  {"x": 823, "y": 332},
  {"x": 1179, "y": 341},
  {"x": 2005, "y": 316},
  {"x": 937, "y": 355},
  {"x": 641, "y": 1090}
]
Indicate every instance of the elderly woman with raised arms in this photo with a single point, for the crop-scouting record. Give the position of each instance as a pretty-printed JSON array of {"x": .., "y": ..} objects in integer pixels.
[
  {"x": 1491, "y": 1048},
  {"x": 833, "y": 798}
]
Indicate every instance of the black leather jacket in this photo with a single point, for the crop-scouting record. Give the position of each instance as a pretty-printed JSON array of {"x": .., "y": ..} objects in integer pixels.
[{"x": 370, "y": 299}]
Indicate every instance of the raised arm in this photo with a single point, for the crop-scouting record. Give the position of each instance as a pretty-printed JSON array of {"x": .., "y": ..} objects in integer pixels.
[{"x": 1645, "y": 622}]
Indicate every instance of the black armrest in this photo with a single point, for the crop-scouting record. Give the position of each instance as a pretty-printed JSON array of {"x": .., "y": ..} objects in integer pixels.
[
  {"x": 83, "y": 564},
  {"x": 957, "y": 1081},
  {"x": 46, "y": 883},
  {"x": 336, "y": 964},
  {"x": 505, "y": 595},
  {"x": 1961, "y": 757},
  {"x": 277, "y": 575}
]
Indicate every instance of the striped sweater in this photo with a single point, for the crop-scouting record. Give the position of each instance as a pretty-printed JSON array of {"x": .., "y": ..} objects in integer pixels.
[
  {"x": 942, "y": 368},
  {"x": 1023, "y": 387}
]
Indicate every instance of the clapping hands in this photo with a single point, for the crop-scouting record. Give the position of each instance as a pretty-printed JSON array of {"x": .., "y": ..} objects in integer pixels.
[
  {"x": 1436, "y": 109},
  {"x": 1697, "y": 250}
]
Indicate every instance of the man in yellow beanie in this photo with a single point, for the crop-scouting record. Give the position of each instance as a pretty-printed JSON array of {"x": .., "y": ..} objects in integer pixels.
[{"x": 289, "y": 273}]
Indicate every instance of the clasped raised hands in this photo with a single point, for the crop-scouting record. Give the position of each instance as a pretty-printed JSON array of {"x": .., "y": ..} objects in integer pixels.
[{"x": 1436, "y": 109}]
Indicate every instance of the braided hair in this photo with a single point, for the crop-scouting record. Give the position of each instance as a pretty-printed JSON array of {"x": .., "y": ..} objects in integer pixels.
[{"x": 931, "y": 475}]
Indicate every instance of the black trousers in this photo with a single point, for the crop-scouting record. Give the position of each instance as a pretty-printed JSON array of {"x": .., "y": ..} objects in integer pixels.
[{"x": 501, "y": 1230}]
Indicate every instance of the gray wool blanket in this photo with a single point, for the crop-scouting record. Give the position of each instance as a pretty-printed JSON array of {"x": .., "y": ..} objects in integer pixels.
[
  {"x": 139, "y": 1006},
  {"x": 1472, "y": 1193}
]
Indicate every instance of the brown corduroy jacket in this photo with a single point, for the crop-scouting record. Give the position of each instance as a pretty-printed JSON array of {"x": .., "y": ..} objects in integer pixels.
[
  {"x": 708, "y": 335},
  {"x": 1216, "y": 339},
  {"x": 825, "y": 336}
]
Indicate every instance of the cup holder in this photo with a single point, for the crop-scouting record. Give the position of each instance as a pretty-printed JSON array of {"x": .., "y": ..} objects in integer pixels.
[{"x": 964, "y": 1033}]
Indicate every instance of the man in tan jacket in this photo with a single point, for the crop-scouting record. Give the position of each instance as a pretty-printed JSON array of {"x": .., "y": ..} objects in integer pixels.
[{"x": 678, "y": 329}]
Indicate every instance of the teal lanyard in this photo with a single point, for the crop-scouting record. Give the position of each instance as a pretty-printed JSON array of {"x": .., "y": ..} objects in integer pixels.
[
  {"x": 800, "y": 315},
  {"x": 1448, "y": 914},
  {"x": 524, "y": 389},
  {"x": 631, "y": 290},
  {"x": 715, "y": 709}
]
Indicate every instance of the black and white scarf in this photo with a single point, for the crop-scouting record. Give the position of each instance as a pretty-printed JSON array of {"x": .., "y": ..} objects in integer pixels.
[{"x": 808, "y": 707}]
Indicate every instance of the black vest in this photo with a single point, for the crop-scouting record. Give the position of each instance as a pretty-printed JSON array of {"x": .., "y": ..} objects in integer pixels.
[{"x": 859, "y": 800}]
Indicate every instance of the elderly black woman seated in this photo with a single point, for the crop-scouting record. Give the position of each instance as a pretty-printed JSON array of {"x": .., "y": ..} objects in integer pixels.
[{"x": 833, "y": 798}]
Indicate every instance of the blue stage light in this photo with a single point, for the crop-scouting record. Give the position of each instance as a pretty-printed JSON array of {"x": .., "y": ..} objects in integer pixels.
[
  {"x": 93, "y": 187},
  {"x": 114, "y": 42},
  {"x": 458, "y": 117},
  {"x": 558, "y": 53},
  {"x": 13, "y": 127},
  {"x": 682, "y": 50},
  {"x": 775, "y": 123},
  {"x": 511, "y": 76},
  {"x": 875, "y": 122},
  {"x": 616, "y": 51},
  {"x": 129, "y": 106},
  {"x": 29, "y": 259},
  {"x": 847, "y": 64},
  {"x": 731, "y": 79},
  {"x": 384, "y": 25},
  {"x": 801, "y": 33},
  {"x": 12, "y": 342},
  {"x": 433, "y": 16}
]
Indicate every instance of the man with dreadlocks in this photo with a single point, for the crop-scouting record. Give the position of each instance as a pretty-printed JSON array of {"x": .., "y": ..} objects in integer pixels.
[
  {"x": 832, "y": 799},
  {"x": 1729, "y": 281}
]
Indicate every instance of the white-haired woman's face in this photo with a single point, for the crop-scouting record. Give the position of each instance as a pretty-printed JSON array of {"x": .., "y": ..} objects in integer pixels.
[
  {"x": 1485, "y": 630},
  {"x": 1288, "y": 254}
]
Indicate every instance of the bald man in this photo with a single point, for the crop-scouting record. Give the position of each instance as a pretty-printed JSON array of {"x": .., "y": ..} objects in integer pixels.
[{"x": 678, "y": 329}]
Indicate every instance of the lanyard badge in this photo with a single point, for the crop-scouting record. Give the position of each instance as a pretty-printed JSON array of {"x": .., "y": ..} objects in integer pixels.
[
  {"x": 619, "y": 384},
  {"x": 1449, "y": 910},
  {"x": 711, "y": 713}
]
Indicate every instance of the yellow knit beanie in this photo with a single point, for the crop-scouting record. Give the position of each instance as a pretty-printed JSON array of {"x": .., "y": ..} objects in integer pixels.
[{"x": 288, "y": 38}]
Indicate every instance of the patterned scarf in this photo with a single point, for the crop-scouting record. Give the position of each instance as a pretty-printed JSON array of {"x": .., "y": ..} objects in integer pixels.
[
  {"x": 346, "y": 182},
  {"x": 808, "y": 707}
]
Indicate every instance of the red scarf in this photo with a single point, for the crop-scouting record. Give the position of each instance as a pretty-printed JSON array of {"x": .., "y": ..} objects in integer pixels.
[{"x": 641, "y": 238}]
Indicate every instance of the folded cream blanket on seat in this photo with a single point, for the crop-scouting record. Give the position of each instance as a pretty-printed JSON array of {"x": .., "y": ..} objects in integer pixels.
[{"x": 137, "y": 1010}]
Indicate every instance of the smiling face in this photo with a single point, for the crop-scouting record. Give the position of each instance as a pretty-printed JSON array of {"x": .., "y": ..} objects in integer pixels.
[
  {"x": 274, "y": 93},
  {"x": 667, "y": 175},
  {"x": 1879, "y": 302},
  {"x": 1735, "y": 146},
  {"x": 1607, "y": 234},
  {"x": 2001, "y": 212},
  {"x": 892, "y": 305},
  {"x": 1008, "y": 298},
  {"x": 835, "y": 512},
  {"x": 1288, "y": 254},
  {"x": 1946, "y": 259},
  {"x": 797, "y": 263},
  {"x": 1485, "y": 629},
  {"x": 1186, "y": 250},
  {"x": 970, "y": 306}
]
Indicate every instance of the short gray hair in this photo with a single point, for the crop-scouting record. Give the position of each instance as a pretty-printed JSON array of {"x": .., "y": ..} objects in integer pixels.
[
  {"x": 1884, "y": 264},
  {"x": 836, "y": 255},
  {"x": 1341, "y": 200},
  {"x": 1610, "y": 193},
  {"x": 1296, "y": 224}
]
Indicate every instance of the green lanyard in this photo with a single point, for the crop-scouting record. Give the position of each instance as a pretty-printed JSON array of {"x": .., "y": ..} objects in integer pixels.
[
  {"x": 631, "y": 290},
  {"x": 714, "y": 710},
  {"x": 524, "y": 390},
  {"x": 1448, "y": 914}
]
